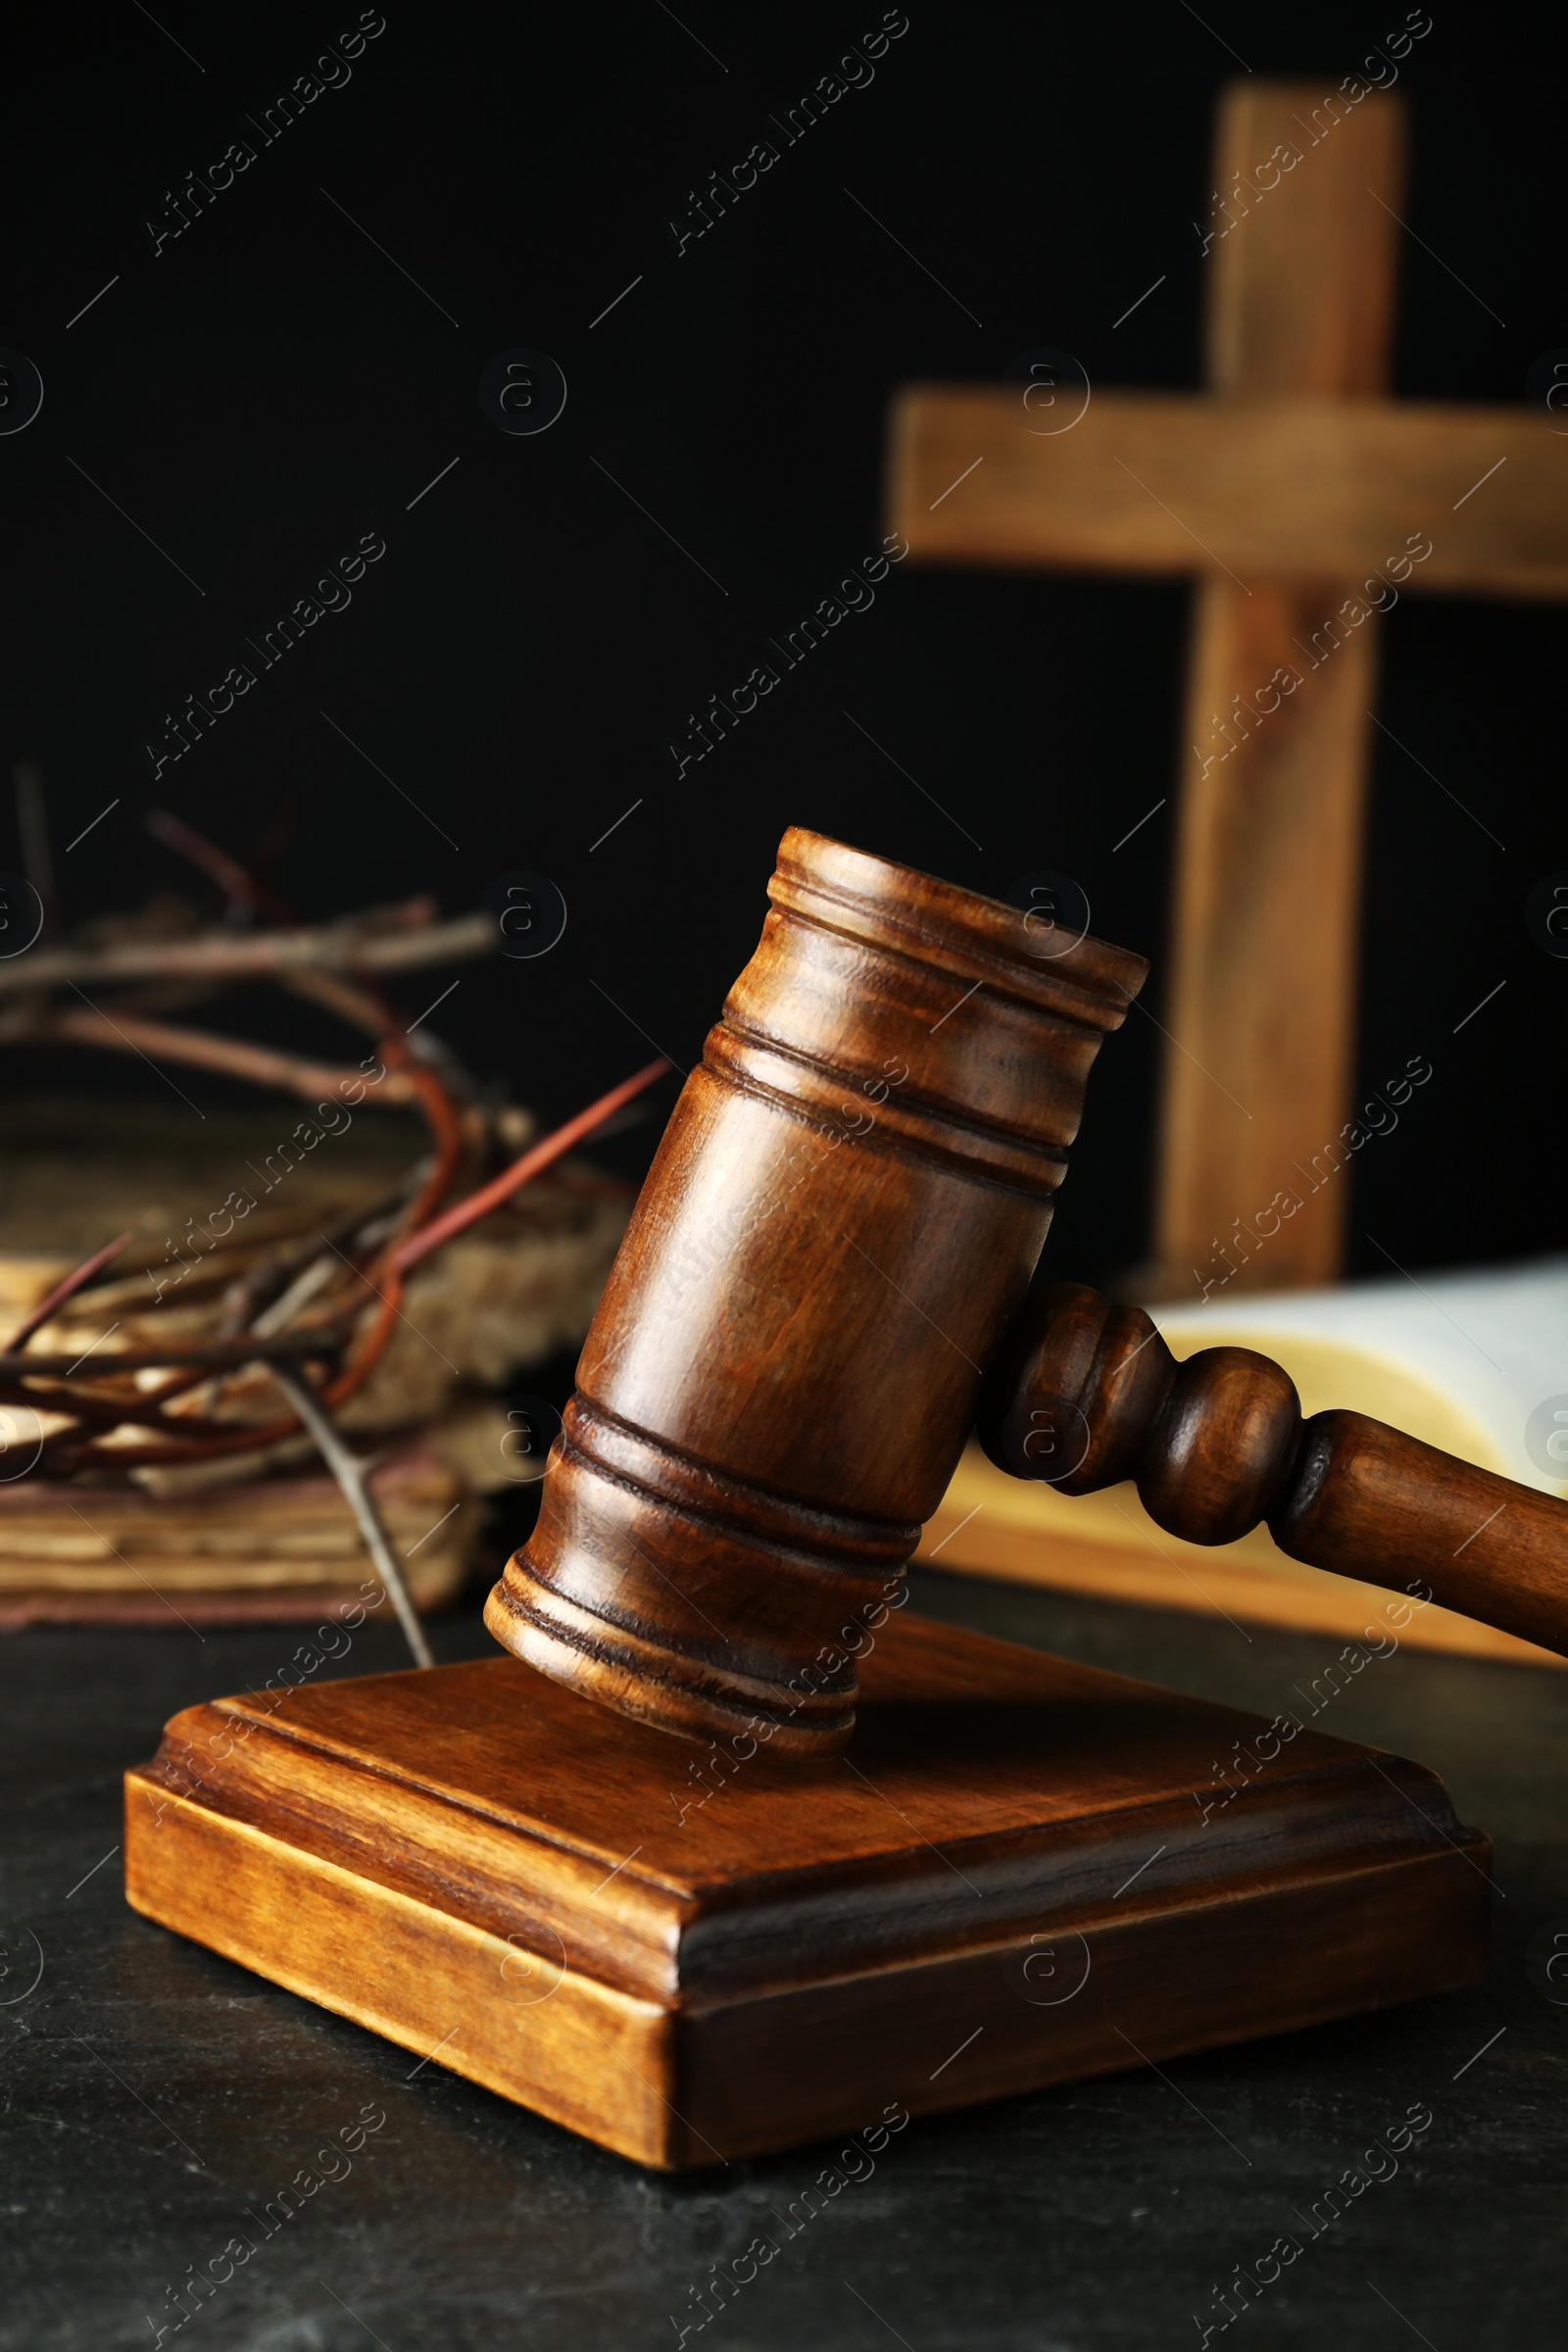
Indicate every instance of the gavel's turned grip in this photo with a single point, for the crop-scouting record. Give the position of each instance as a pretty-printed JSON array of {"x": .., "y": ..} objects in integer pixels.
[
  {"x": 1217, "y": 1443},
  {"x": 1369, "y": 1502}
]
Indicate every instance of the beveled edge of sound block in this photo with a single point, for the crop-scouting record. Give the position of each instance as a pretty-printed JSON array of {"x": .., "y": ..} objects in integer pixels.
[{"x": 452, "y": 1859}]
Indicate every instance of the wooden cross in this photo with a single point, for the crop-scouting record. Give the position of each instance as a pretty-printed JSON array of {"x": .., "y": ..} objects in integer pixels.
[{"x": 1305, "y": 500}]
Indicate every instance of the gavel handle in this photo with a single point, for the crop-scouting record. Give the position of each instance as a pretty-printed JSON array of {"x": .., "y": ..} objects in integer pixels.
[
  {"x": 1367, "y": 1501},
  {"x": 1086, "y": 1393}
]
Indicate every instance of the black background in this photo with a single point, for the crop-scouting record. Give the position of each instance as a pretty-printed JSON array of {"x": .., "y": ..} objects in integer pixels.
[{"x": 270, "y": 386}]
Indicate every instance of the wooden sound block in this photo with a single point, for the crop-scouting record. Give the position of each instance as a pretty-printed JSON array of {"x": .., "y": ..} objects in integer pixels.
[{"x": 1022, "y": 1871}]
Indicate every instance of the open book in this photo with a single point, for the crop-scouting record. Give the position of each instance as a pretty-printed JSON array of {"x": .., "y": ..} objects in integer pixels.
[{"x": 1473, "y": 1362}]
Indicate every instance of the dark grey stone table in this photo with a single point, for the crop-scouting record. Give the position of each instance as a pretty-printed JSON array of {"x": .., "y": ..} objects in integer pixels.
[{"x": 156, "y": 2097}]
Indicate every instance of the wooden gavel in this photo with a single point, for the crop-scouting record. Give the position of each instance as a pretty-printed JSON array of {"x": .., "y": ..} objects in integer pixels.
[
  {"x": 831, "y": 1253},
  {"x": 1084, "y": 1394}
]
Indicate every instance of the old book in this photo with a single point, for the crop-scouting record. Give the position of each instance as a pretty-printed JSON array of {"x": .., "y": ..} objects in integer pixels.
[
  {"x": 272, "y": 1548},
  {"x": 1473, "y": 1362},
  {"x": 266, "y": 1533}
]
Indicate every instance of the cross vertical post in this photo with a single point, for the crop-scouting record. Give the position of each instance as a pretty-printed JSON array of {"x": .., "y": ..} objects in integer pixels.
[{"x": 1262, "y": 996}]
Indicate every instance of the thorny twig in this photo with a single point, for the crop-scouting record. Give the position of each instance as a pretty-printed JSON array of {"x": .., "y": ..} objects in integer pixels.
[
  {"x": 511, "y": 1180},
  {"x": 245, "y": 893},
  {"x": 397, "y": 938},
  {"x": 209, "y": 1356},
  {"x": 352, "y": 1475},
  {"x": 417, "y": 1233},
  {"x": 338, "y": 964},
  {"x": 63, "y": 1291},
  {"x": 232, "y": 1056}
]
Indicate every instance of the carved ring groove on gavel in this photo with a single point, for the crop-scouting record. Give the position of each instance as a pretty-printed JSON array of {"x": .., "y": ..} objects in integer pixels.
[
  {"x": 830, "y": 1253},
  {"x": 841, "y": 1221}
]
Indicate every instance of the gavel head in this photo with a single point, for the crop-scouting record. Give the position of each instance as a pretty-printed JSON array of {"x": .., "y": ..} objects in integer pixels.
[{"x": 841, "y": 1222}]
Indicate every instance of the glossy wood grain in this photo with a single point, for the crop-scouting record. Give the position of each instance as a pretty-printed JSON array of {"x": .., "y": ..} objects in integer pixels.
[
  {"x": 842, "y": 1217},
  {"x": 1088, "y": 1394},
  {"x": 1021, "y": 1871},
  {"x": 1251, "y": 1582}
]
